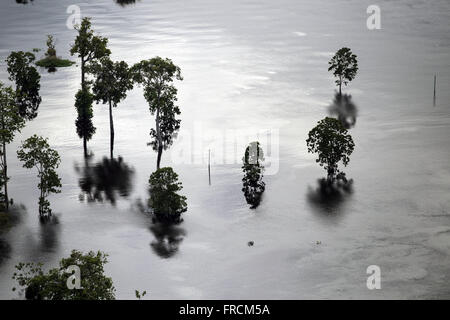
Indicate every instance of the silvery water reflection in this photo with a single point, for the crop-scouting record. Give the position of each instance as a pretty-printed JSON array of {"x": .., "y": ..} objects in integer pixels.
[{"x": 262, "y": 65}]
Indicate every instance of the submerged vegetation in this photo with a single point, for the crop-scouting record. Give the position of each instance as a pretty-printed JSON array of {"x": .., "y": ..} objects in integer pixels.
[
  {"x": 253, "y": 186},
  {"x": 35, "y": 152},
  {"x": 84, "y": 125},
  {"x": 344, "y": 66},
  {"x": 51, "y": 61},
  {"x": 332, "y": 143},
  {"x": 157, "y": 75},
  {"x": 10, "y": 123},
  {"x": 166, "y": 203},
  {"x": 27, "y": 79},
  {"x": 54, "y": 284},
  {"x": 110, "y": 84},
  {"x": 112, "y": 81}
]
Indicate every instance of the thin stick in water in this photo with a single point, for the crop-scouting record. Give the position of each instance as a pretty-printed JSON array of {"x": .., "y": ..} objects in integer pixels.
[
  {"x": 434, "y": 92},
  {"x": 209, "y": 166}
]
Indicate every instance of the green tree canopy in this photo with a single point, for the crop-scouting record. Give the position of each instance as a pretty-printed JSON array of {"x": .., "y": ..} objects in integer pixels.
[
  {"x": 344, "y": 66},
  {"x": 27, "y": 80},
  {"x": 112, "y": 82},
  {"x": 10, "y": 123},
  {"x": 52, "y": 285},
  {"x": 157, "y": 76},
  {"x": 88, "y": 47},
  {"x": 84, "y": 125},
  {"x": 332, "y": 143},
  {"x": 35, "y": 152},
  {"x": 165, "y": 201}
]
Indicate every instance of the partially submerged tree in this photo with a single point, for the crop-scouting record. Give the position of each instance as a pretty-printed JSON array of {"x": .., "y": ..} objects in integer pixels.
[
  {"x": 165, "y": 201},
  {"x": 344, "y": 66},
  {"x": 157, "y": 76},
  {"x": 51, "y": 61},
  {"x": 112, "y": 81},
  {"x": 35, "y": 152},
  {"x": 94, "y": 284},
  {"x": 88, "y": 46},
  {"x": 27, "y": 80},
  {"x": 332, "y": 143},
  {"x": 51, "y": 50},
  {"x": 253, "y": 186},
  {"x": 10, "y": 123},
  {"x": 85, "y": 127}
]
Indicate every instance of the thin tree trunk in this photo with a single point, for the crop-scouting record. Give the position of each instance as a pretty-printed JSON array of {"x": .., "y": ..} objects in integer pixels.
[
  {"x": 158, "y": 136},
  {"x": 340, "y": 86},
  {"x": 41, "y": 198},
  {"x": 111, "y": 126},
  {"x": 82, "y": 73},
  {"x": 85, "y": 147},
  {"x": 5, "y": 177},
  {"x": 160, "y": 150}
]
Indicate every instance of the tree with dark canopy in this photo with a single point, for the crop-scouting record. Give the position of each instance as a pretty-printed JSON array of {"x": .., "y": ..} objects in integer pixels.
[
  {"x": 27, "y": 80},
  {"x": 35, "y": 152},
  {"x": 10, "y": 123},
  {"x": 344, "y": 66},
  {"x": 95, "y": 285},
  {"x": 253, "y": 186},
  {"x": 112, "y": 81},
  {"x": 85, "y": 127},
  {"x": 88, "y": 46},
  {"x": 165, "y": 201},
  {"x": 157, "y": 76},
  {"x": 332, "y": 143}
]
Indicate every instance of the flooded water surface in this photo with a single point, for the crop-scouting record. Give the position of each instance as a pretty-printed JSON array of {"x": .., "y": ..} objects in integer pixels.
[{"x": 249, "y": 67}]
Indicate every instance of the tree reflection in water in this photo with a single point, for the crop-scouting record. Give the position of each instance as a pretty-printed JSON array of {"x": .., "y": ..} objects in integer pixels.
[
  {"x": 105, "y": 180},
  {"x": 124, "y": 3},
  {"x": 345, "y": 109},
  {"x": 328, "y": 197},
  {"x": 167, "y": 239}
]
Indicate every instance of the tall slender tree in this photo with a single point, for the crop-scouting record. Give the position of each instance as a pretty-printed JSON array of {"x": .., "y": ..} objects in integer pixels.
[
  {"x": 10, "y": 123},
  {"x": 157, "y": 76},
  {"x": 83, "y": 123},
  {"x": 112, "y": 81},
  {"x": 88, "y": 47},
  {"x": 27, "y": 80}
]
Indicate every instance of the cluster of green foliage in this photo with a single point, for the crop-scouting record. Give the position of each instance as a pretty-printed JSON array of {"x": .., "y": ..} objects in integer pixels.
[
  {"x": 157, "y": 76},
  {"x": 88, "y": 47},
  {"x": 344, "y": 66},
  {"x": 35, "y": 152},
  {"x": 51, "y": 61},
  {"x": 27, "y": 80},
  {"x": 54, "y": 62},
  {"x": 10, "y": 123},
  {"x": 165, "y": 201},
  {"x": 84, "y": 125},
  {"x": 331, "y": 141},
  {"x": 52, "y": 285},
  {"x": 253, "y": 186}
]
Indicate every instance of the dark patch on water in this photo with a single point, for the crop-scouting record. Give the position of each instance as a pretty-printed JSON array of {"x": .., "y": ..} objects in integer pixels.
[
  {"x": 106, "y": 180},
  {"x": 167, "y": 239},
  {"x": 345, "y": 109}
]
